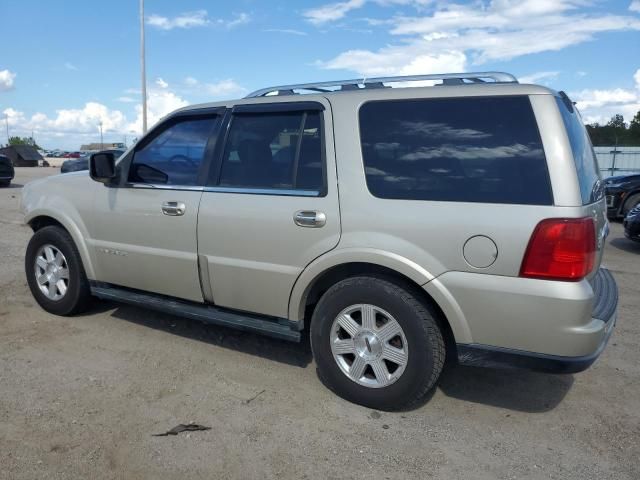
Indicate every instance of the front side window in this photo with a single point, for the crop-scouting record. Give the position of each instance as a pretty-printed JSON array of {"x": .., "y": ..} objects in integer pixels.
[
  {"x": 281, "y": 150},
  {"x": 471, "y": 149},
  {"x": 175, "y": 155}
]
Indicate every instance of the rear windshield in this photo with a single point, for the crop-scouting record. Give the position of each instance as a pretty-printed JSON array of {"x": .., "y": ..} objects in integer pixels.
[
  {"x": 472, "y": 149},
  {"x": 583, "y": 155}
]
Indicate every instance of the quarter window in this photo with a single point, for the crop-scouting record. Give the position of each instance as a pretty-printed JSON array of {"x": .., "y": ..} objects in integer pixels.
[
  {"x": 472, "y": 149},
  {"x": 274, "y": 151},
  {"x": 175, "y": 155}
]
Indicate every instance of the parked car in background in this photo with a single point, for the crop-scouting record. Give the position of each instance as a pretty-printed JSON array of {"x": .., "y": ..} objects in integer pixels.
[
  {"x": 6, "y": 171},
  {"x": 632, "y": 225},
  {"x": 82, "y": 163},
  {"x": 399, "y": 226},
  {"x": 623, "y": 194}
]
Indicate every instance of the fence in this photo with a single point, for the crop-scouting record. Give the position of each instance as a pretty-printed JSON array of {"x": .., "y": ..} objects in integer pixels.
[{"x": 618, "y": 160}]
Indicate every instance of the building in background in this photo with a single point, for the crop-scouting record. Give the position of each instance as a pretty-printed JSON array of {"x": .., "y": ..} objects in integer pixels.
[
  {"x": 615, "y": 161},
  {"x": 22, "y": 155}
]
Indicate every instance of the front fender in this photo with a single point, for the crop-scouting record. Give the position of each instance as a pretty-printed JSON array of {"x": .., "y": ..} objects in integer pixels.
[{"x": 65, "y": 212}]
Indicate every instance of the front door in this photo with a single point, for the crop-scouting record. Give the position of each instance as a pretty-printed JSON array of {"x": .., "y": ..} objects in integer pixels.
[
  {"x": 271, "y": 205},
  {"x": 144, "y": 230}
]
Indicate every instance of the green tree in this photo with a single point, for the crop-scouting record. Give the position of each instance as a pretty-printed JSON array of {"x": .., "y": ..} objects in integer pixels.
[{"x": 23, "y": 141}]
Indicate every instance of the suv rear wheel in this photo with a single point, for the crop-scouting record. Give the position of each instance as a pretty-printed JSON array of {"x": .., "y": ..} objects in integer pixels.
[
  {"x": 632, "y": 202},
  {"x": 55, "y": 273},
  {"x": 376, "y": 344}
]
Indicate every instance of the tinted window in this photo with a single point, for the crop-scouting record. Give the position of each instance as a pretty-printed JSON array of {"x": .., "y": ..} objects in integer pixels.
[
  {"x": 583, "y": 154},
  {"x": 175, "y": 155},
  {"x": 274, "y": 150},
  {"x": 485, "y": 149}
]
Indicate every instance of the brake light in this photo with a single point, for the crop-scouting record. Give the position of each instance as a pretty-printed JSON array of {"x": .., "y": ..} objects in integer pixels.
[{"x": 561, "y": 249}]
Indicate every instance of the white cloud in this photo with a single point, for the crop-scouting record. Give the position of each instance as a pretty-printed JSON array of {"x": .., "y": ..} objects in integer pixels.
[
  {"x": 289, "y": 31},
  {"x": 161, "y": 100},
  {"x": 537, "y": 77},
  {"x": 599, "y": 105},
  {"x": 332, "y": 11},
  {"x": 635, "y": 6},
  {"x": 6, "y": 80},
  {"x": 397, "y": 61},
  {"x": 478, "y": 32},
  {"x": 125, "y": 99},
  {"x": 198, "y": 18},
  {"x": 68, "y": 121},
  {"x": 223, "y": 88},
  {"x": 70, "y": 66},
  {"x": 241, "y": 19}
]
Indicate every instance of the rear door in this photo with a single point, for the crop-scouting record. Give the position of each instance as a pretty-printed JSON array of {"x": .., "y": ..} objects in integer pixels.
[{"x": 270, "y": 206}]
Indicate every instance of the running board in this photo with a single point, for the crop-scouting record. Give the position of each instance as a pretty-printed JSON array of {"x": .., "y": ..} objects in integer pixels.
[{"x": 271, "y": 326}]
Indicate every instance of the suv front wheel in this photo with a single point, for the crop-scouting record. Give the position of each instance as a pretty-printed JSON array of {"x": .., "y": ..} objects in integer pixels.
[
  {"x": 55, "y": 273},
  {"x": 376, "y": 344}
]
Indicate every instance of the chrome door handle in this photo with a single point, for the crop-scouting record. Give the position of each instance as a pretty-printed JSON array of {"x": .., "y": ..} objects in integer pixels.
[
  {"x": 174, "y": 209},
  {"x": 310, "y": 218}
]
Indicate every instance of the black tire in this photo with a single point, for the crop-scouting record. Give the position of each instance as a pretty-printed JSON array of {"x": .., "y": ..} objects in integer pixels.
[
  {"x": 78, "y": 295},
  {"x": 426, "y": 345},
  {"x": 5, "y": 183},
  {"x": 631, "y": 202}
]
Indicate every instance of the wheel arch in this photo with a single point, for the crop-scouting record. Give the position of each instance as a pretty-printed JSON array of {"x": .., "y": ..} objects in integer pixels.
[
  {"x": 317, "y": 281},
  {"x": 635, "y": 191},
  {"x": 38, "y": 220}
]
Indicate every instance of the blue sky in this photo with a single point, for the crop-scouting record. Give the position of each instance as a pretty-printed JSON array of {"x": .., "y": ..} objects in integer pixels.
[{"x": 67, "y": 65}]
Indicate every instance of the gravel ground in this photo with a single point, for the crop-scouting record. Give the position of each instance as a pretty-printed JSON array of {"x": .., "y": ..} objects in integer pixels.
[{"x": 81, "y": 397}]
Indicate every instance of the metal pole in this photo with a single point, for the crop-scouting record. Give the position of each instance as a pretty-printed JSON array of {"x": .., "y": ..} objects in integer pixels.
[
  {"x": 101, "y": 142},
  {"x": 143, "y": 68},
  {"x": 6, "y": 121}
]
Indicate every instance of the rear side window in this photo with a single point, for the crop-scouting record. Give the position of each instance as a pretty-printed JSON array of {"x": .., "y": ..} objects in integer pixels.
[
  {"x": 583, "y": 155},
  {"x": 175, "y": 155},
  {"x": 281, "y": 150},
  {"x": 472, "y": 149}
]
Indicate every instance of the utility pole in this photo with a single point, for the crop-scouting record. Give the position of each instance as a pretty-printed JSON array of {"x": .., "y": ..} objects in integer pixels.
[
  {"x": 6, "y": 121},
  {"x": 101, "y": 143},
  {"x": 143, "y": 69}
]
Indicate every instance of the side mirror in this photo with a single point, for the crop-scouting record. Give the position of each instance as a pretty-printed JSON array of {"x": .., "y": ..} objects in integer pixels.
[{"x": 102, "y": 167}]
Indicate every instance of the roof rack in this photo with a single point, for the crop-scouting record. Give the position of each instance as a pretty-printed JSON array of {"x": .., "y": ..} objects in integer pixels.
[{"x": 354, "y": 84}]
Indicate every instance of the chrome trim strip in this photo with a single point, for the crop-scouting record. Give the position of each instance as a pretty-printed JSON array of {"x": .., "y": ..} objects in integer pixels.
[
  {"x": 264, "y": 191},
  {"x": 193, "y": 188}
]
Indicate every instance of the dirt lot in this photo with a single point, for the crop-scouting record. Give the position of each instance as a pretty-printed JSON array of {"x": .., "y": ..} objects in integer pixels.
[{"x": 81, "y": 397}]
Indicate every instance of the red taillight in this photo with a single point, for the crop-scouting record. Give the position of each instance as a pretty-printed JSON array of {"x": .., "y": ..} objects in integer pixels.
[{"x": 561, "y": 249}]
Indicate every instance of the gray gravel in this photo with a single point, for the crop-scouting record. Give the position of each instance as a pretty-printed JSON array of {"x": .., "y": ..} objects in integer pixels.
[{"x": 81, "y": 397}]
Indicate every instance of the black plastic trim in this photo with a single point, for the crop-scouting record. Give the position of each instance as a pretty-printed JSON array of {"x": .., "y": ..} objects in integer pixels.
[
  {"x": 281, "y": 328},
  {"x": 278, "y": 107}
]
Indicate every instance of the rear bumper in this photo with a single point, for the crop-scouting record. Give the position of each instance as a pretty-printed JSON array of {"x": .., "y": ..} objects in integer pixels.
[{"x": 584, "y": 342}]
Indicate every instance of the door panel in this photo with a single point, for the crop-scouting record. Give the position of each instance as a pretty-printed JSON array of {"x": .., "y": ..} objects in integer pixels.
[
  {"x": 272, "y": 209},
  {"x": 255, "y": 251},
  {"x": 144, "y": 231},
  {"x": 139, "y": 246}
]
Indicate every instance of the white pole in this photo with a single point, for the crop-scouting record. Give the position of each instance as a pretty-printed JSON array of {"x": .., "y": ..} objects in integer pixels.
[
  {"x": 101, "y": 142},
  {"x": 6, "y": 121},
  {"x": 144, "y": 73}
]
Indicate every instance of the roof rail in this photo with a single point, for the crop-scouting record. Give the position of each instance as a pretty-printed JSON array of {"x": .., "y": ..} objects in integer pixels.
[{"x": 354, "y": 84}]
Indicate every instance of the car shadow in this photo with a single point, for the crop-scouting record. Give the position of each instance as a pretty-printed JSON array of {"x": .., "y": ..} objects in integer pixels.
[
  {"x": 13, "y": 185},
  {"x": 290, "y": 353},
  {"x": 626, "y": 245},
  {"x": 518, "y": 390}
]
